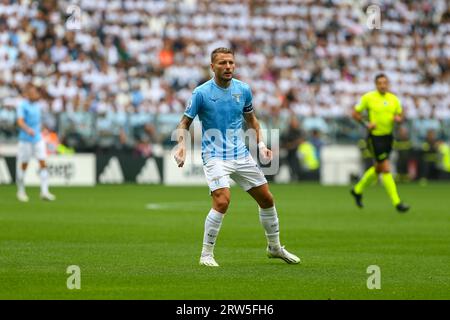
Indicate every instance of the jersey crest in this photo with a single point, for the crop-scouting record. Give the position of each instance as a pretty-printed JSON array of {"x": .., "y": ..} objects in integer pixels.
[{"x": 237, "y": 97}]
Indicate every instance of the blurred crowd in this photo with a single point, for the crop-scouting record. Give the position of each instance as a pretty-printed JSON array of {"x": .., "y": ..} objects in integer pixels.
[{"x": 117, "y": 74}]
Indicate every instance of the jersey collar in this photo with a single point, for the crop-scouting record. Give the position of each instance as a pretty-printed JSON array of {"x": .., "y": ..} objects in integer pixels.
[{"x": 223, "y": 89}]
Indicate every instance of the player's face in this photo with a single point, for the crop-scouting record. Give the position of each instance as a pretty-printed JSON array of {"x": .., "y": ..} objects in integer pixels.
[
  {"x": 33, "y": 93},
  {"x": 382, "y": 85},
  {"x": 223, "y": 66}
]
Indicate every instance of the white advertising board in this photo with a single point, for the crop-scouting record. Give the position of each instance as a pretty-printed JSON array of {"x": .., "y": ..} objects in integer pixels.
[{"x": 67, "y": 170}]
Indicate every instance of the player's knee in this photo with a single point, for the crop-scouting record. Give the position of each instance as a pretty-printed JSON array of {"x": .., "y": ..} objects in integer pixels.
[
  {"x": 222, "y": 205},
  {"x": 379, "y": 167},
  {"x": 383, "y": 167},
  {"x": 267, "y": 201}
]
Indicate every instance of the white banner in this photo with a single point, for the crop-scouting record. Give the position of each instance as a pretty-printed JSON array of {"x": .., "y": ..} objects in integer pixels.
[
  {"x": 190, "y": 174},
  {"x": 69, "y": 170},
  {"x": 339, "y": 163}
]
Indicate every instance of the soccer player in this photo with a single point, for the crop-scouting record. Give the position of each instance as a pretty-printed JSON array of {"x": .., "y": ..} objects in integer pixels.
[
  {"x": 384, "y": 109},
  {"x": 222, "y": 103},
  {"x": 31, "y": 143}
]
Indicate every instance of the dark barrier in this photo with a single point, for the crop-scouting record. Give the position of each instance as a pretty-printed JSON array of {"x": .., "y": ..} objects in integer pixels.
[
  {"x": 111, "y": 168},
  {"x": 11, "y": 163},
  {"x": 119, "y": 167}
]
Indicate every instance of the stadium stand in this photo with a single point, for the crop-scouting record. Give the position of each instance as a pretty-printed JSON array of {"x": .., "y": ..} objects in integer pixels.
[{"x": 131, "y": 66}]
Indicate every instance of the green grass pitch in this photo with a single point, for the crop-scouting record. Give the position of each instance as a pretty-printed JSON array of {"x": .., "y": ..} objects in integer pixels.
[{"x": 143, "y": 242}]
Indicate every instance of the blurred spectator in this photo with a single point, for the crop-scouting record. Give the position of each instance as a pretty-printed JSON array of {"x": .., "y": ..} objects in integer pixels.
[
  {"x": 317, "y": 141},
  {"x": 7, "y": 119},
  {"x": 310, "y": 162},
  {"x": 404, "y": 148},
  {"x": 166, "y": 55},
  {"x": 430, "y": 157},
  {"x": 77, "y": 128},
  {"x": 290, "y": 141},
  {"x": 54, "y": 146},
  {"x": 144, "y": 144},
  {"x": 424, "y": 124},
  {"x": 315, "y": 122},
  {"x": 444, "y": 159}
]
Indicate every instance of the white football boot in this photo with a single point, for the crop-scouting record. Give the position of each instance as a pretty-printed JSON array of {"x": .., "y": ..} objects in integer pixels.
[
  {"x": 282, "y": 253},
  {"x": 208, "y": 260},
  {"x": 22, "y": 197},
  {"x": 48, "y": 196}
]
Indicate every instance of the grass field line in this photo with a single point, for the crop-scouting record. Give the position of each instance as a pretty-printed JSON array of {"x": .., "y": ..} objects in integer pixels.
[
  {"x": 176, "y": 205},
  {"x": 188, "y": 205}
]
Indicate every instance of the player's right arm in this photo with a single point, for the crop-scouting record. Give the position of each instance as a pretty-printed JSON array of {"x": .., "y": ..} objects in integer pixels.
[
  {"x": 357, "y": 113},
  {"x": 190, "y": 113},
  {"x": 22, "y": 125},
  {"x": 398, "y": 116},
  {"x": 182, "y": 129},
  {"x": 21, "y": 122}
]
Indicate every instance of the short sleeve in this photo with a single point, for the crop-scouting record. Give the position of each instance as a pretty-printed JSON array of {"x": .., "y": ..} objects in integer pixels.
[
  {"x": 193, "y": 106},
  {"x": 363, "y": 103},
  {"x": 248, "y": 105},
  {"x": 20, "y": 111}
]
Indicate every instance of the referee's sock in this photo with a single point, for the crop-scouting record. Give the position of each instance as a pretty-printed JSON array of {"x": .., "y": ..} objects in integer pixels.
[
  {"x": 391, "y": 188},
  {"x": 369, "y": 177}
]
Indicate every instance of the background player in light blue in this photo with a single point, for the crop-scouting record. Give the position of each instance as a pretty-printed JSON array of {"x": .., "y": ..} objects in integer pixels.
[
  {"x": 222, "y": 104},
  {"x": 31, "y": 143}
]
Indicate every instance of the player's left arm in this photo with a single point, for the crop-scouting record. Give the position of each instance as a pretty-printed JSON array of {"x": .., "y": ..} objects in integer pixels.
[
  {"x": 253, "y": 123},
  {"x": 20, "y": 113},
  {"x": 398, "y": 116}
]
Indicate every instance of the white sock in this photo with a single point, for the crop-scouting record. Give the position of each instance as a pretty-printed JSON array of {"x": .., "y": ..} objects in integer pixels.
[
  {"x": 20, "y": 175},
  {"x": 269, "y": 220},
  {"x": 43, "y": 173},
  {"x": 213, "y": 222}
]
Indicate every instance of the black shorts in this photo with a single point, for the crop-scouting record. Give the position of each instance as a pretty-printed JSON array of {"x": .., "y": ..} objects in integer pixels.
[{"x": 380, "y": 146}]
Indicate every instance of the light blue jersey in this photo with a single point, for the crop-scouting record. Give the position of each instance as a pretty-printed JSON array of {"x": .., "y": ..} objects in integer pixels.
[
  {"x": 31, "y": 114},
  {"x": 221, "y": 114}
]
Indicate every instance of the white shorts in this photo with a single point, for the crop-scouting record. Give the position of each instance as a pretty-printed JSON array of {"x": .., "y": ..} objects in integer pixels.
[
  {"x": 245, "y": 172},
  {"x": 27, "y": 150}
]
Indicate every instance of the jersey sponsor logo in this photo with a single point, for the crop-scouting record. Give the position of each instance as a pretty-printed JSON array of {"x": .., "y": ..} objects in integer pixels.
[{"x": 62, "y": 170}]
